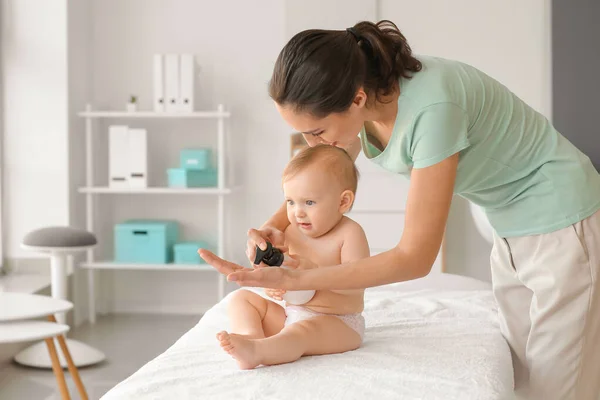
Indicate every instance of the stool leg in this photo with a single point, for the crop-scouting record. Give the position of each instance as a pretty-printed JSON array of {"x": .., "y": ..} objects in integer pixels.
[
  {"x": 58, "y": 272},
  {"x": 58, "y": 372},
  {"x": 70, "y": 363}
]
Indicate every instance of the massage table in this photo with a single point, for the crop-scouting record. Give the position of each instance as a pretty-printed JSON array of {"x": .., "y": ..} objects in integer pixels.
[{"x": 432, "y": 338}]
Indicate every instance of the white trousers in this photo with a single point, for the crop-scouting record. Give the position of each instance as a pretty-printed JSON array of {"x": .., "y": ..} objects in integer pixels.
[{"x": 546, "y": 287}]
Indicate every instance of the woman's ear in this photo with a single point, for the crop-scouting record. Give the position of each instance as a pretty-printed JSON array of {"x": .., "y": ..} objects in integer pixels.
[
  {"x": 360, "y": 98},
  {"x": 346, "y": 201}
]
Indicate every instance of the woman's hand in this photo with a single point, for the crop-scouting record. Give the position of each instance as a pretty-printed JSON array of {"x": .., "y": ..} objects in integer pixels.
[
  {"x": 273, "y": 277},
  {"x": 298, "y": 262},
  {"x": 275, "y": 294},
  {"x": 258, "y": 237},
  {"x": 224, "y": 267}
]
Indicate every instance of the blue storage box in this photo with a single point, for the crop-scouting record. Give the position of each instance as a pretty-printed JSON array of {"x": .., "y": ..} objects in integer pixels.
[
  {"x": 145, "y": 241},
  {"x": 198, "y": 159},
  {"x": 179, "y": 177},
  {"x": 187, "y": 252}
]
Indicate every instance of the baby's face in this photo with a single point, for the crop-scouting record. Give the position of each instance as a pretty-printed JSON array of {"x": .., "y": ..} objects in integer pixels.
[{"x": 313, "y": 201}]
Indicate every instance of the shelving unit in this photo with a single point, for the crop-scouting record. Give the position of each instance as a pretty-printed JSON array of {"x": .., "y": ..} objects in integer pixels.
[
  {"x": 157, "y": 190},
  {"x": 90, "y": 191},
  {"x": 145, "y": 267},
  {"x": 152, "y": 114}
]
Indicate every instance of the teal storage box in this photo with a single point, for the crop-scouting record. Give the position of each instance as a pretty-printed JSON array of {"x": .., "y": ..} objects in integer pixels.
[
  {"x": 145, "y": 241},
  {"x": 188, "y": 178},
  {"x": 197, "y": 159},
  {"x": 187, "y": 252}
]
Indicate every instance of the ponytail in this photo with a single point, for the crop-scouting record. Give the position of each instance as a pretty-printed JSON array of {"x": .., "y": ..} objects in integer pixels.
[
  {"x": 388, "y": 56},
  {"x": 320, "y": 71}
]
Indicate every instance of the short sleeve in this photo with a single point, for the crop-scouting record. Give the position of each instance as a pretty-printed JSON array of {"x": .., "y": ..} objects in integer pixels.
[{"x": 439, "y": 131}]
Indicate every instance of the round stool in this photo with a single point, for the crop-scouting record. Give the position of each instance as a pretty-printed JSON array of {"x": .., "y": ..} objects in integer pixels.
[{"x": 60, "y": 243}]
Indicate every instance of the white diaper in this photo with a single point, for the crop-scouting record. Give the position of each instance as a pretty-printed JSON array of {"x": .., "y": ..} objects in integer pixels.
[{"x": 299, "y": 313}]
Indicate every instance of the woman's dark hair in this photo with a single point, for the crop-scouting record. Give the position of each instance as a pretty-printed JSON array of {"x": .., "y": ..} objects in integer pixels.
[{"x": 320, "y": 71}]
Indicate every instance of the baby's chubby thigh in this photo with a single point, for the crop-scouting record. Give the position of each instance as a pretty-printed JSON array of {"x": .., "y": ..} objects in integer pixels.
[
  {"x": 253, "y": 315},
  {"x": 324, "y": 334}
]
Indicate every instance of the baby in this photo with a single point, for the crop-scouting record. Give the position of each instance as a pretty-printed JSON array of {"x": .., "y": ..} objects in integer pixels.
[{"x": 319, "y": 185}]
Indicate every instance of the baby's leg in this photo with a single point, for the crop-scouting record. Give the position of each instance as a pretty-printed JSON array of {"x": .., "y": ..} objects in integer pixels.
[
  {"x": 315, "y": 336},
  {"x": 254, "y": 316}
]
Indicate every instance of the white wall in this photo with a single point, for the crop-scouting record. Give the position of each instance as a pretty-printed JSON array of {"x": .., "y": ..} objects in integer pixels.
[
  {"x": 330, "y": 14},
  {"x": 35, "y": 150},
  {"x": 236, "y": 44},
  {"x": 79, "y": 89},
  {"x": 45, "y": 83},
  {"x": 35, "y": 172},
  {"x": 510, "y": 41},
  {"x": 108, "y": 57},
  {"x": 2, "y": 234}
]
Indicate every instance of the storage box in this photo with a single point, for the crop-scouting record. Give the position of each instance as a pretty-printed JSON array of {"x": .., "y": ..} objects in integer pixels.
[
  {"x": 198, "y": 159},
  {"x": 145, "y": 241},
  {"x": 179, "y": 177},
  {"x": 187, "y": 252}
]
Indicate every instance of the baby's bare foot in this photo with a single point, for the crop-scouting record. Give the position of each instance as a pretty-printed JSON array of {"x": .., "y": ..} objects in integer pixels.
[
  {"x": 247, "y": 336},
  {"x": 240, "y": 348}
]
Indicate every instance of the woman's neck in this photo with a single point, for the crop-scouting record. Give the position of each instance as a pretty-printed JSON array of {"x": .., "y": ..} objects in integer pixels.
[{"x": 382, "y": 117}]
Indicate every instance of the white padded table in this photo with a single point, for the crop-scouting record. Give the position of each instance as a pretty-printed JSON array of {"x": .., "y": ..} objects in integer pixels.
[
  {"x": 432, "y": 338},
  {"x": 25, "y": 331},
  {"x": 22, "y": 306},
  {"x": 19, "y": 306},
  {"x": 16, "y": 325}
]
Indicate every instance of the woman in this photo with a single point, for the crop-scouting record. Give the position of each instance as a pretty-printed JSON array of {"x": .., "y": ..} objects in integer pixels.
[{"x": 452, "y": 129}]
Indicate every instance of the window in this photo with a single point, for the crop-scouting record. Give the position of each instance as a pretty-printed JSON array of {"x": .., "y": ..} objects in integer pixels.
[{"x": 2, "y": 25}]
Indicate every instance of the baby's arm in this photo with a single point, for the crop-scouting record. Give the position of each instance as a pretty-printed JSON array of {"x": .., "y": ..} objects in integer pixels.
[
  {"x": 354, "y": 247},
  {"x": 292, "y": 259},
  {"x": 275, "y": 294}
]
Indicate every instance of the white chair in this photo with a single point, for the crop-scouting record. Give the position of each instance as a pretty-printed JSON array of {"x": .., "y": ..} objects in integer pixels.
[
  {"x": 61, "y": 243},
  {"x": 16, "y": 312}
]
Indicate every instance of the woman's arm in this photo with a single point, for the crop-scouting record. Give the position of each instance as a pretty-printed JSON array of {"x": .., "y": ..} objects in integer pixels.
[
  {"x": 354, "y": 248},
  {"x": 428, "y": 205}
]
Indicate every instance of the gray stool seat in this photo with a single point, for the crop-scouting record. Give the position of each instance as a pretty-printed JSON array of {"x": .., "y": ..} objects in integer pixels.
[
  {"x": 61, "y": 243},
  {"x": 59, "y": 237}
]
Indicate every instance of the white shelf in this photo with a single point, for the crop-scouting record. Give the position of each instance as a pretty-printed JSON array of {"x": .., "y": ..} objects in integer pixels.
[
  {"x": 146, "y": 267},
  {"x": 158, "y": 190},
  {"x": 152, "y": 114},
  {"x": 92, "y": 188}
]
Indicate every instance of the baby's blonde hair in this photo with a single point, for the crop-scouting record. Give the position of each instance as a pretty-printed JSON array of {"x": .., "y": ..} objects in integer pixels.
[{"x": 331, "y": 160}]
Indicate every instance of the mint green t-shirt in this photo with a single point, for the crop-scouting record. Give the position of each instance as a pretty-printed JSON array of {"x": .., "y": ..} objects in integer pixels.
[{"x": 527, "y": 177}]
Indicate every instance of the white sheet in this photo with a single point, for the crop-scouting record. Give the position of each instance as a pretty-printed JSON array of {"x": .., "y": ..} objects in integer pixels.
[{"x": 420, "y": 343}]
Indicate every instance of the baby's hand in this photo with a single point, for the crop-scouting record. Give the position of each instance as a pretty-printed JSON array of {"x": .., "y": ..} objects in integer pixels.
[{"x": 275, "y": 294}]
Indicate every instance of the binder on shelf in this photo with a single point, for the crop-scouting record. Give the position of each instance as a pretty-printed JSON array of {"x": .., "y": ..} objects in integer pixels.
[
  {"x": 158, "y": 79},
  {"x": 138, "y": 158},
  {"x": 172, "y": 82},
  {"x": 118, "y": 145},
  {"x": 186, "y": 82}
]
